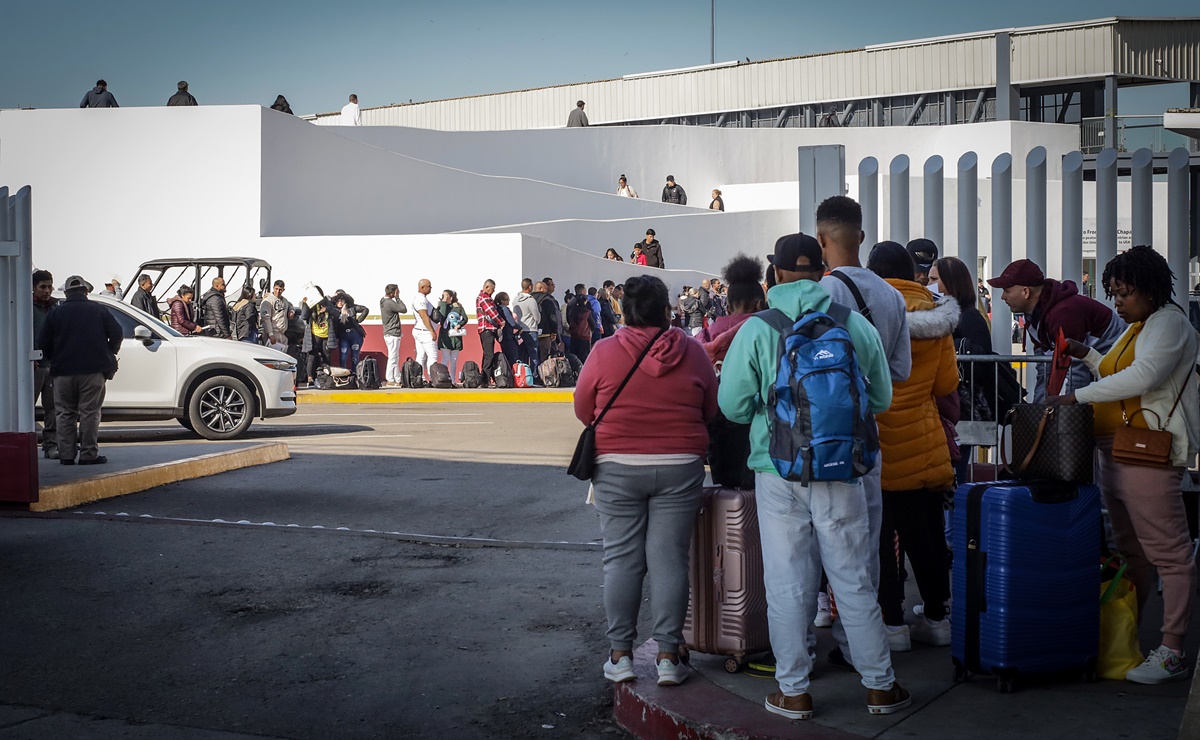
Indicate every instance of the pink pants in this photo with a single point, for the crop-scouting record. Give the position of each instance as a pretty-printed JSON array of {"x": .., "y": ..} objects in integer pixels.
[{"x": 1150, "y": 529}]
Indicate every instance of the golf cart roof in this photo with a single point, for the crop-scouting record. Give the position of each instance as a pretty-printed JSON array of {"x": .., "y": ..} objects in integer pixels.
[{"x": 161, "y": 264}]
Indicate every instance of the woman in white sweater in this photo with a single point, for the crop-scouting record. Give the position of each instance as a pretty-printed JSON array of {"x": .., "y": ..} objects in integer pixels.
[{"x": 1150, "y": 369}]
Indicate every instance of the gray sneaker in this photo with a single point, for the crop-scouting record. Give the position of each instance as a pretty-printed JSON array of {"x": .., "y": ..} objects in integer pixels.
[
  {"x": 1162, "y": 665},
  {"x": 621, "y": 671},
  {"x": 672, "y": 673}
]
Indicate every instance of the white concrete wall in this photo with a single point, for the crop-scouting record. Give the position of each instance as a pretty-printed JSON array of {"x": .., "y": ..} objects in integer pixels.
[{"x": 115, "y": 187}]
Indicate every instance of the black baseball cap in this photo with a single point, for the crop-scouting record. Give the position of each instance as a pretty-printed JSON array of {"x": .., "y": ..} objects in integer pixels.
[
  {"x": 790, "y": 248},
  {"x": 923, "y": 252}
]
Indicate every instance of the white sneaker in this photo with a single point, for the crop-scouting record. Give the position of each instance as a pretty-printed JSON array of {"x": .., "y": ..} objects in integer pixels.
[
  {"x": 824, "y": 616},
  {"x": 1162, "y": 665},
  {"x": 671, "y": 674},
  {"x": 620, "y": 671},
  {"x": 899, "y": 639},
  {"x": 927, "y": 630}
]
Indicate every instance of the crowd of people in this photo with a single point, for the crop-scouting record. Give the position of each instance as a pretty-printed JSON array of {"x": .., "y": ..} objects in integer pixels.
[{"x": 910, "y": 312}]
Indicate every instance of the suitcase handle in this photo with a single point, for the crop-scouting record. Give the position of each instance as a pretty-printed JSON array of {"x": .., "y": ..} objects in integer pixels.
[{"x": 719, "y": 575}]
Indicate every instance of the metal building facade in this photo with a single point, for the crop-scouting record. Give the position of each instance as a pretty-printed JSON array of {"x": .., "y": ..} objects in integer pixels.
[{"x": 943, "y": 80}]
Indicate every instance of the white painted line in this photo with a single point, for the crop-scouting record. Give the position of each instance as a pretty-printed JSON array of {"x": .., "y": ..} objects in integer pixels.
[
  {"x": 393, "y": 413},
  {"x": 356, "y": 435}
]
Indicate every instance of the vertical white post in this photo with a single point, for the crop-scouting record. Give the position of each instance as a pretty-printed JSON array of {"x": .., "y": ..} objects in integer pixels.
[
  {"x": 868, "y": 198},
  {"x": 968, "y": 210},
  {"x": 23, "y": 267},
  {"x": 1035, "y": 206},
  {"x": 1178, "y": 204},
  {"x": 1106, "y": 211},
  {"x": 1001, "y": 249},
  {"x": 9, "y": 366},
  {"x": 935, "y": 202},
  {"x": 1142, "y": 176},
  {"x": 1072, "y": 215},
  {"x": 898, "y": 226}
]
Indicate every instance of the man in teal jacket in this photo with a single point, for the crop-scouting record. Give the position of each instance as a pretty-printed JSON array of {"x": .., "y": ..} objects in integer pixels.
[{"x": 805, "y": 527}]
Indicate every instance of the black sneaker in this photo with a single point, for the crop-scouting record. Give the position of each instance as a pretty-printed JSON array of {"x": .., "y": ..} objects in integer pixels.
[
  {"x": 66, "y": 461},
  {"x": 99, "y": 460}
]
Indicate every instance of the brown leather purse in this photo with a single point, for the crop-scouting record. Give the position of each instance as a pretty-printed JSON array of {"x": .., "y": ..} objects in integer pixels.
[{"x": 1149, "y": 447}]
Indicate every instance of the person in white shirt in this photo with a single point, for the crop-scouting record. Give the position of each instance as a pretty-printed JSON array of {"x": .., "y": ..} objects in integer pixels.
[
  {"x": 424, "y": 332},
  {"x": 351, "y": 116},
  {"x": 623, "y": 188}
]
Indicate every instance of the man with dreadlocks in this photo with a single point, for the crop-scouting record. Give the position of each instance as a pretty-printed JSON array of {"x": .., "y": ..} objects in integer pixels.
[
  {"x": 1050, "y": 305},
  {"x": 1147, "y": 376}
]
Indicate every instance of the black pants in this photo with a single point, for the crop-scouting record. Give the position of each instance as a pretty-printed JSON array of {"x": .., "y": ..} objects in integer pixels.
[
  {"x": 917, "y": 517},
  {"x": 581, "y": 347},
  {"x": 316, "y": 358},
  {"x": 487, "y": 339}
]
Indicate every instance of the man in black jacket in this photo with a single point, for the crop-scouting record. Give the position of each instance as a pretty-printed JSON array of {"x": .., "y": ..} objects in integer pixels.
[
  {"x": 216, "y": 310},
  {"x": 80, "y": 339},
  {"x": 652, "y": 249},
  {"x": 142, "y": 300},
  {"x": 183, "y": 97},
  {"x": 99, "y": 97},
  {"x": 673, "y": 193},
  {"x": 551, "y": 325}
]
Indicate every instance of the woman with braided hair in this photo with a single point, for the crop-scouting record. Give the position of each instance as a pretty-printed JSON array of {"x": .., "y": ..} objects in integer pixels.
[{"x": 1147, "y": 377}]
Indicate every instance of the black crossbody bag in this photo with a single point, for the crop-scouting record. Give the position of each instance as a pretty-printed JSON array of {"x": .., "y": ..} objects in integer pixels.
[{"x": 583, "y": 462}]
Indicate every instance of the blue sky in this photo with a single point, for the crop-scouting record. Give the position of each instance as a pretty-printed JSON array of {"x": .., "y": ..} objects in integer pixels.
[{"x": 316, "y": 53}]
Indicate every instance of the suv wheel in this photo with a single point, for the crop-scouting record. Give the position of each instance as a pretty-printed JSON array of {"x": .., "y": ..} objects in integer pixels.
[
  {"x": 221, "y": 407},
  {"x": 185, "y": 421}
]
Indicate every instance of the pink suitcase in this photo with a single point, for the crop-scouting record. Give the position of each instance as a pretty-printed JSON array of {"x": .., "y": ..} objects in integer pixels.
[{"x": 727, "y": 610}]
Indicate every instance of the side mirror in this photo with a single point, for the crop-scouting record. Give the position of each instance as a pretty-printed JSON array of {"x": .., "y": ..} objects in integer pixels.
[{"x": 142, "y": 334}]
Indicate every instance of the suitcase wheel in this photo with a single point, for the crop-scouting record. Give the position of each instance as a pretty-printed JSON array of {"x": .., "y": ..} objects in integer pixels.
[{"x": 733, "y": 665}]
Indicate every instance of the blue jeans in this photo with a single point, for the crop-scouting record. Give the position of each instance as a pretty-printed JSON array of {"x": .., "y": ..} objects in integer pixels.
[
  {"x": 530, "y": 348},
  {"x": 798, "y": 524},
  {"x": 348, "y": 347}
]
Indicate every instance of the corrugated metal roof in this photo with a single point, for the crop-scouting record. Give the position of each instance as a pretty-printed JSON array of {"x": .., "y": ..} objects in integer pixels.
[{"x": 1166, "y": 49}]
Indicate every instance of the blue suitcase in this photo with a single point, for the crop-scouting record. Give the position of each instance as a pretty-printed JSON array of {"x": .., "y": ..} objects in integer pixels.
[{"x": 1026, "y": 578}]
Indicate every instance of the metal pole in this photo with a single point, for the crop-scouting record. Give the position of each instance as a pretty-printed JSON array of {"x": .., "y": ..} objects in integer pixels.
[
  {"x": 968, "y": 210},
  {"x": 898, "y": 226},
  {"x": 935, "y": 202},
  {"x": 1072, "y": 218},
  {"x": 1106, "y": 210},
  {"x": 1001, "y": 249},
  {"x": 1035, "y": 206},
  {"x": 712, "y": 35},
  {"x": 868, "y": 198},
  {"x": 1142, "y": 174},
  {"x": 8, "y": 297},
  {"x": 1178, "y": 202},
  {"x": 23, "y": 267}
]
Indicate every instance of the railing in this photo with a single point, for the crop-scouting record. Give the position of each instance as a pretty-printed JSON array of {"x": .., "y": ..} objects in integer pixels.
[
  {"x": 1133, "y": 133},
  {"x": 981, "y": 423}
]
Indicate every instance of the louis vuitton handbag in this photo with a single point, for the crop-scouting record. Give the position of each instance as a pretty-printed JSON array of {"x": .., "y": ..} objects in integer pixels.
[{"x": 1051, "y": 442}]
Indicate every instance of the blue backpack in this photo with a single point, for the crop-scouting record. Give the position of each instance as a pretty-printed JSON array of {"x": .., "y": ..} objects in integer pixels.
[{"x": 820, "y": 427}]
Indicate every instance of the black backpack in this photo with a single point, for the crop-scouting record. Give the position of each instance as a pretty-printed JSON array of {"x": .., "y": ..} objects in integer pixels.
[
  {"x": 411, "y": 374},
  {"x": 471, "y": 377},
  {"x": 439, "y": 376},
  {"x": 502, "y": 373},
  {"x": 368, "y": 374}
]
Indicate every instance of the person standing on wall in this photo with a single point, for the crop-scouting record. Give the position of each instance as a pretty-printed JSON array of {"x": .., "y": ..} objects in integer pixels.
[
  {"x": 577, "y": 118},
  {"x": 351, "y": 115},
  {"x": 623, "y": 188},
  {"x": 718, "y": 203},
  {"x": 99, "y": 97},
  {"x": 183, "y": 97},
  {"x": 673, "y": 193},
  {"x": 489, "y": 324},
  {"x": 390, "y": 308},
  {"x": 281, "y": 105},
  {"x": 80, "y": 339},
  {"x": 43, "y": 303}
]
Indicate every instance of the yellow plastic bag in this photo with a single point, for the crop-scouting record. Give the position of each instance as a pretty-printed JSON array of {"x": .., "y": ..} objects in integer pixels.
[{"x": 1119, "y": 648}]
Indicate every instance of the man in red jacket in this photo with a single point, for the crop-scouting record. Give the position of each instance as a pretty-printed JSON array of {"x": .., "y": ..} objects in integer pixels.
[{"x": 1050, "y": 305}]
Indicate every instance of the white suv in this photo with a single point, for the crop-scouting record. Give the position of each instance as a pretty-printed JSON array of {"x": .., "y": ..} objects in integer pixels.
[{"x": 214, "y": 387}]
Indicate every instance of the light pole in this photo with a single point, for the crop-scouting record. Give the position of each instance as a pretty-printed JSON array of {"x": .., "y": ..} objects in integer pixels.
[{"x": 712, "y": 36}]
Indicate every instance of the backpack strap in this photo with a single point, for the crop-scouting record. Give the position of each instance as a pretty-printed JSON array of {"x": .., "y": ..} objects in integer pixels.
[
  {"x": 839, "y": 313},
  {"x": 862, "y": 305},
  {"x": 777, "y": 320}
]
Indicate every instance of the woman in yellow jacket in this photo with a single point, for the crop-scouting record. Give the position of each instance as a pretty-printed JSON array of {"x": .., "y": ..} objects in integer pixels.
[{"x": 916, "y": 460}]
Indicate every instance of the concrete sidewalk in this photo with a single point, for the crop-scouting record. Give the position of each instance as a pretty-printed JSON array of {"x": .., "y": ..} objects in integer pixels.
[
  {"x": 716, "y": 704},
  {"x": 139, "y": 467}
]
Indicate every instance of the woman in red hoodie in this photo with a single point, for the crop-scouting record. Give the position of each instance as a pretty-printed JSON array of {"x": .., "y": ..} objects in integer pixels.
[{"x": 649, "y": 473}]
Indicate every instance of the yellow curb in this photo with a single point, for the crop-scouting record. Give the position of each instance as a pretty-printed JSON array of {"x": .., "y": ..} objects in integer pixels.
[
  {"x": 108, "y": 485},
  {"x": 438, "y": 395}
]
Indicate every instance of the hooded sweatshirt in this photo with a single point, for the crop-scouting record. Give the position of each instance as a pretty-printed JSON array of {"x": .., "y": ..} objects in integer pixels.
[
  {"x": 911, "y": 435},
  {"x": 98, "y": 97},
  {"x": 667, "y": 405},
  {"x": 751, "y": 365},
  {"x": 527, "y": 311},
  {"x": 1083, "y": 319}
]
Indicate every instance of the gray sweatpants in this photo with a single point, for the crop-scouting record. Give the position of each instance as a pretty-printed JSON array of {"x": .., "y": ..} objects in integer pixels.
[
  {"x": 78, "y": 398},
  {"x": 646, "y": 516}
]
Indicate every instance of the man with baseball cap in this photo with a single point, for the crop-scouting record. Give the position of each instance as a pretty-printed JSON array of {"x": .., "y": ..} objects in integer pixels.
[
  {"x": 1050, "y": 305},
  {"x": 673, "y": 193},
  {"x": 80, "y": 339},
  {"x": 924, "y": 253},
  {"x": 823, "y": 523},
  {"x": 112, "y": 287}
]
